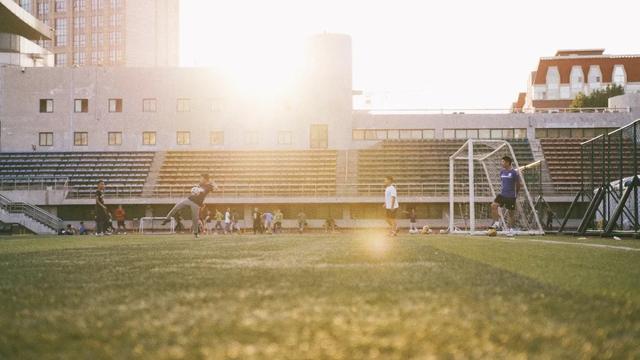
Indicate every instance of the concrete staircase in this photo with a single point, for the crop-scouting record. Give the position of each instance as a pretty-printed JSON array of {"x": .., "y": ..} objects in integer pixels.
[
  {"x": 154, "y": 173},
  {"x": 29, "y": 216},
  {"x": 538, "y": 155},
  {"x": 346, "y": 171}
]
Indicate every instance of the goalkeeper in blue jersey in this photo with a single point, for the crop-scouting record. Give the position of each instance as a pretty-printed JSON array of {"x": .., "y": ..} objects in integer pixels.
[{"x": 510, "y": 180}]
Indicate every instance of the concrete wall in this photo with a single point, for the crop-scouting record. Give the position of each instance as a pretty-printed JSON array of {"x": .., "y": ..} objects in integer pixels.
[{"x": 152, "y": 33}]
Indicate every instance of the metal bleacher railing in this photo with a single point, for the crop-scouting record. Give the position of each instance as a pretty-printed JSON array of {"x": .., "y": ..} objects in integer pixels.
[
  {"x": 33, "y": 183},
  {"x": 33, "y": 212},
  {"x": 304, "y": 190}
]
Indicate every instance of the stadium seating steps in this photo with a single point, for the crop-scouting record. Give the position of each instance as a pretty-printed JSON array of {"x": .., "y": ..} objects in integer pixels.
[
  {"x": 120, "y": 170},
  {"x": 419, "y": 161},
  {"x": 285, "y": 172}
]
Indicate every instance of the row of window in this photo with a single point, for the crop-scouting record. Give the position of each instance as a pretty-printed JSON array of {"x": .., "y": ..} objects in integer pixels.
[
  {"x": 78, "y": 5},
  {"x": 149, "y": 138},
  {"x": 484, "y": 133},
  {"x": 582, "y": 133},
  {"x": 417, "y": 134},
  {"x": 393, "y": 134},
  {"x": 115, "y": 105},
  {"x": 97, "y": 57}
]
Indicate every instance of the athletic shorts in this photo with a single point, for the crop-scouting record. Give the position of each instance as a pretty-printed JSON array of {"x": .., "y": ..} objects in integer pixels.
[
  {"x": 391, "y": 213},
  {"x": 505, "y": 202}
]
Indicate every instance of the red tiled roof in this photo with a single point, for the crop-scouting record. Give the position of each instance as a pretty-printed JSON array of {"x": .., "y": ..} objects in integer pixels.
[
  {"x": 519, "y": 104},
  {"x": 631, "y": 67}
]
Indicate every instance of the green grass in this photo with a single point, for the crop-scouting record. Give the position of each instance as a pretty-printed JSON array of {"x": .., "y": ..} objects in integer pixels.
[{"x": 317, "y": 296}]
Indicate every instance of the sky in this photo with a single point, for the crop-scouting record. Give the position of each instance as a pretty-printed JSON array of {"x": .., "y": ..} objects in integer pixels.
[{"x": 455, "y": 54}]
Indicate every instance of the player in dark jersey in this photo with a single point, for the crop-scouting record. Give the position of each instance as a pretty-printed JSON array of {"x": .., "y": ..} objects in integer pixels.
[
  {"x": 194, "y": 202},
  {"x": 510, "y": 180},
  {"x": 102, "y": 213}
]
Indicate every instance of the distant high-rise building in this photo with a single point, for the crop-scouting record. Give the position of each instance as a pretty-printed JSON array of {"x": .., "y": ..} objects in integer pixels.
[{"x": 110, "y": 32}]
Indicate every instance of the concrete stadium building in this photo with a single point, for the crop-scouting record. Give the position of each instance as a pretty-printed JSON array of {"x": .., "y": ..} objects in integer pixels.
[{"x": 149, "y": 131}]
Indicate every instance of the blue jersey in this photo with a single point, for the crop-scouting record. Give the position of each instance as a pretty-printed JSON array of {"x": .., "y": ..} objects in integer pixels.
[{"x": 509, "y": 180}]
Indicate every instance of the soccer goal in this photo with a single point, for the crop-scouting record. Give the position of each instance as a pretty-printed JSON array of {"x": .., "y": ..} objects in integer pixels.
[
  {"x": 153, "y": 225},
  {"x": 474, "y": 181}
]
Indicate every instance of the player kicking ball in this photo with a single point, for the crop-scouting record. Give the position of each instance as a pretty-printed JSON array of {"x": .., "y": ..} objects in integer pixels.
[
  {"x": 510, "y": 180},
  {"x": 194, "y": 202}
]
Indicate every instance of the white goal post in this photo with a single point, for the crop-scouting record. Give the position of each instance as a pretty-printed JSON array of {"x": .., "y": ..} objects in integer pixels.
[
  {"x": 153, "y": 225},
  {"x": 474, "y": 181}
]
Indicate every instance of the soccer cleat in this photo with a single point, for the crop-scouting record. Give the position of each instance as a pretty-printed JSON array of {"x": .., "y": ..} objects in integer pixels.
[{"x": 196, "y": 235}]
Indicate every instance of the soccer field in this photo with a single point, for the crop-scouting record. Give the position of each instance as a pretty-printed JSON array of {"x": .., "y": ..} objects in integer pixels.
[{"x": 319, "y": 296}]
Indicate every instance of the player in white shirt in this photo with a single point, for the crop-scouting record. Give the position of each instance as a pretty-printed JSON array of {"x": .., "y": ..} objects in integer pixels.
[{"x": 391, "y": 205}]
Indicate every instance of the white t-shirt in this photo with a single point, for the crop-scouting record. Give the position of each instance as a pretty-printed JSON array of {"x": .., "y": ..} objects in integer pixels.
[
  {"x": 389, "y": 192},
  {"x": 227, "y": 217}
]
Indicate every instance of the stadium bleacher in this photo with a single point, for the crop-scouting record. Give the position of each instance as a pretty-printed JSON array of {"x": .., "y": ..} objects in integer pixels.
[
  {"x": 278, "y": 172},
  {"x": 419, "y": 161},
  {"x": 122, "y": 171},
  {"x": 564, "y": 160}
]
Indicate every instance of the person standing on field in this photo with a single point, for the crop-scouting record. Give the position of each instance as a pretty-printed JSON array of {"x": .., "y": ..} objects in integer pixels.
[
  {"x": 102, "y": 213},
  {"x": 120, "y": 216},
  {"x": 391, "y": 205}
]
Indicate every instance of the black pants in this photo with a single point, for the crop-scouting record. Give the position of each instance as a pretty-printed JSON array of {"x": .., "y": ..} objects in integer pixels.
[
  {"x": 257, "y": 226},
  {"x": 101, "y": 220}
]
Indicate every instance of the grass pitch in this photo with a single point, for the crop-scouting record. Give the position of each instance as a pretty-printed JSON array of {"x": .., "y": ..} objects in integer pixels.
[{"x": 318, "y": 296}]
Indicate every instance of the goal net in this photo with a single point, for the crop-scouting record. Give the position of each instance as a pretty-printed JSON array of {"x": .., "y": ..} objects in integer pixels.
[
  {"x": 153, "y": 225},
  {"x": 474, "y": 182}
]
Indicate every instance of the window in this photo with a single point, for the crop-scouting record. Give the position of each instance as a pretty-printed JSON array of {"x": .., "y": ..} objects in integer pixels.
[
  {"x": 78, "y": 5},
  {"x": 381, "y": 134},
  {"x": 81, "y": 105},
  {"x": 61, "y": 59},
  {"x": 46, "y": 139},
  {"x": 577, "y": 79},
  {"x": 184, "y": 105},
  {"x": 448, "y": 134},
  {"x": 80, "y": 139},
  {"x": 78, "y": 23},
  {"x": 507, "y": 133},
  {"x": 553, "y": 83},
  {"x": 357, "y": 134},
  {"x": 215, "y": 105},
  {"x": 183, "y": 138},
  {"x": 319, "y": 137},
  {"x": 149, "y": 138},
  {"x": 79, "y": 40},
  {"x": 428, "y": 134},
  {"x": 484, "y": 134},
  {"x": 619, "y": 75},
  {"x": 216, "y": 138},
  {"x": 405, "y": 134},
  {"x": 519, "y": 133},
  {"x": 370, "y": 135},
  {"x": 284, "y": 137},
  {"x": 97, "y": 4},
  {"x": 393, "y": 134},
  {"x": 149, "y": 105},
  {"x": 115, "y": 105},
  {"x": 46, "y": 105},
  {"x": 461, "y": 133},
  {"x": 61, "y": 6},
  {"x": 595, "y": 75},
  {"x": 115, "y": 138},
  {"x": 79, "y": 58},
  {"x": 251, "y": 137},
  {"x": 61, "y": 32},
  {"x": 496, "y": 133}
]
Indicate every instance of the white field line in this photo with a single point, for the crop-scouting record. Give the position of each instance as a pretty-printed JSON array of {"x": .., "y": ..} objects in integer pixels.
[{"x": 602, "y": 246}]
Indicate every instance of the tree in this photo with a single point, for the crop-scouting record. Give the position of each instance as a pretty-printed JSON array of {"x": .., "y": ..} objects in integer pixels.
[{"x": 598, "y": 98}]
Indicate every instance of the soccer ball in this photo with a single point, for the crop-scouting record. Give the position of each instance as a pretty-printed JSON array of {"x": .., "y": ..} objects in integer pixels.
[
  {"x": 196, "y": 190},
  {"x": 492, "y": 232},
  {"x": 425, "y": 230}
]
